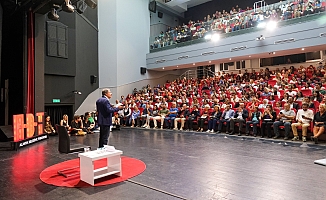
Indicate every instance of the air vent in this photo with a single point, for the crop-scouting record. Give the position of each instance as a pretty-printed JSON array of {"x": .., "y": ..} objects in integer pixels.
[
  {"x": 160, "y": 61},
  {"x": 183, "y": 57},
  {"x": 284, "y": 41},
  {"x": 208, "y": 53},
  {"x": 238, "y": 48},
  {"x": 322, "y": 35}
]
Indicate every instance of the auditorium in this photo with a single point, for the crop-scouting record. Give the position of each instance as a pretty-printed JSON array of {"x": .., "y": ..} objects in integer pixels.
[{"x": 186, "y": 99}]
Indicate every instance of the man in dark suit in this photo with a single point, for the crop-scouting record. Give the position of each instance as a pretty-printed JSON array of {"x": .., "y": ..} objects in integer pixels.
[
  {"x": 239, "y": 117},
  {"x": 104, "y": 116}
]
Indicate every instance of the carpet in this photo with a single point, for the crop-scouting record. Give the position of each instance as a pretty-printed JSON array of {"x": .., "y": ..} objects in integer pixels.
[{"x": 130, "y": 167}]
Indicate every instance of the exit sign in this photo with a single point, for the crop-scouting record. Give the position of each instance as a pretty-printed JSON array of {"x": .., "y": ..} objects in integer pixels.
[{"x": 55, "y": 100}]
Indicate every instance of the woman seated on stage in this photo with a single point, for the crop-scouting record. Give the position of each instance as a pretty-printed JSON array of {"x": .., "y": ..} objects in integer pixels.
[
  {"x": 48, "y": 128},
  {"x": 319, "y": 123},
  {"x": 76, "y": 125}
]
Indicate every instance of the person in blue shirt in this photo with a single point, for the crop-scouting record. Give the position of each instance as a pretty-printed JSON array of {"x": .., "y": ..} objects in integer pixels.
[
  {"x": 169, "y": 120},
  {"x": 226, "y": 117}
]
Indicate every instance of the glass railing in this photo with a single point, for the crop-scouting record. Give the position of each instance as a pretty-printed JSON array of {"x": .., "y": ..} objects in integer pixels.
[{"x": 162, "y": 43}]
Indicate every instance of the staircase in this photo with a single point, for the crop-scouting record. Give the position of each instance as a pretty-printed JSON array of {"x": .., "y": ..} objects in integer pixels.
[{"x": 197, "y": 73}]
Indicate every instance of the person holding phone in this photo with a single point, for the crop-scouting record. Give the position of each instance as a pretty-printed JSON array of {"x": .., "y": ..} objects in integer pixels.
[
  {"x": 304, "y": 117},
  {"x": 285, "y": 119}
]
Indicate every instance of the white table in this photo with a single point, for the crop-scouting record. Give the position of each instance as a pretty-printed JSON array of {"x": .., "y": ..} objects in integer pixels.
[{"x": 87, "y": 172}]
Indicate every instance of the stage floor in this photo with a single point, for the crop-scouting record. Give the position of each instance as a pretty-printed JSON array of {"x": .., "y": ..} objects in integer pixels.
[{"x": 190, "y": 165}]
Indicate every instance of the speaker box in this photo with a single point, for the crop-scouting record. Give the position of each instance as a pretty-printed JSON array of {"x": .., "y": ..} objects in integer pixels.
[
  {"x": 93, "y": 79},
  {"x": 160, "y": 14},
  {"x": 143, "y": 70},
  {"x": 6, "y": 133}
]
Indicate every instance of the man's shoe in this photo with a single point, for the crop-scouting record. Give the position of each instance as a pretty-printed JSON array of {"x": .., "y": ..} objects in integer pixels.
[
  {"x": 285, "y": 138},
  {"x": 316, "y": 140},
  {"x": 218, "y": 132},
  {"x": 227, "y": 132},
  {"x": 276, "y": 137},
  {"x": 247, "y": 134},
  {"x": 239, "y": 134},
  {"x": 212, "y": 131},
  {"x": 304, "y": 139},
  {"x": 312, "y": 138},
  {"x": 230, "y": 133},
  {"x": 295, "y": 138},
  {"x": 262, "y": 136},
  {"x": 255, "y": 135},
  {"x": 208, "y": 131}
]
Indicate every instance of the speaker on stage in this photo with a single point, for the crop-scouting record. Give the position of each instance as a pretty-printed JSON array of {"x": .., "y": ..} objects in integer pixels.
[
  {"x": 160, "y": 15},
  {"x": 6, "y": 133}
]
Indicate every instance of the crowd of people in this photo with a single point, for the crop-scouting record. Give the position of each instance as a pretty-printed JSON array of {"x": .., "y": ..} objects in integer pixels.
[
  {"x": 236, "y": 19},
  {"x": 268, "y": 100}
]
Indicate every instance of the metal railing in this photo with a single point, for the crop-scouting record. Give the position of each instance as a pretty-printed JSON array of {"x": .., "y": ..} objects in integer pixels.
[{"x": 197, "y": 74}]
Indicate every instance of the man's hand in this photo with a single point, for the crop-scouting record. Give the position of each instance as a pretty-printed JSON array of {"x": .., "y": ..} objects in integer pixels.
[{"x": 121, "y": 107}]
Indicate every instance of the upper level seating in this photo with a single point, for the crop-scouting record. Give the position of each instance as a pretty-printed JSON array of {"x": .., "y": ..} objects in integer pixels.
[{"x": 235, "y": 20}]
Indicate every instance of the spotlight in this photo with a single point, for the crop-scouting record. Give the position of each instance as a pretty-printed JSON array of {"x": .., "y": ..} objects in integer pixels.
[
  {"x": 67, "y": 6},
  {"x": 261, "y": 25},
  {"x": 271, "y": 25},
  {"x": 53, "y": 15},
  {"x": 91, "y": 3},
  {"x": 215, "y": 37},
  {"x": 208, "y": 37},
  {"x": 260, "y": 38}
]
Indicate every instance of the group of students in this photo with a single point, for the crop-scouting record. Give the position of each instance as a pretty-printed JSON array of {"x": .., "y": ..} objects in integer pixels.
[
  {"x": 270, "y": 121},
  {"x": 80, "y": 125}
]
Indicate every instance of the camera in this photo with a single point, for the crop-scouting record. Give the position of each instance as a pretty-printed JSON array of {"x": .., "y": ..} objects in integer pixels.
[{"x": 281, "y": 113}]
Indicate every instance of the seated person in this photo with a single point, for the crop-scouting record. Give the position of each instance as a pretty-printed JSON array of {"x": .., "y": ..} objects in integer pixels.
[
  {"x": 226, "y": 117},
  {"x": 89, "y": 123},
  {"x": 134, "y": 116},
  {"x": 268, "y": 119},
  {"x": 171, "y": 116},
  {"x": 115, "y": 122},
  {"x": 126, "y": 115},
  {"x": 161, "y": 115},
  {"x": 240, "y": 117},
  {"x": 76, "y": 125},
  {"x": 192, "y": 117},
  {"x": 255, "y": 119},
  {"x": 204, "y": 117},
  {"x": 285, "y": 119},
  {"x": 304, "y": 117},
  {"x": 214, "y": 118},
  {"x": 319, "y": 123},
  {"x": 183, "y": 112},
  {"x": 144, "y": 116},
  {"x": 264, "y": 104},
  {"x": 48, "y": 128}
]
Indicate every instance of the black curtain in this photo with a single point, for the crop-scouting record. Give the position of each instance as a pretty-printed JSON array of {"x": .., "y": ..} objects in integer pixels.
[{"x": 56, "y": 113}]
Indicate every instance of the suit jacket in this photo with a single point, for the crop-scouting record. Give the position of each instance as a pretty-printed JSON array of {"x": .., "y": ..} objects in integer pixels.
[{"x": 105, "y": 111}]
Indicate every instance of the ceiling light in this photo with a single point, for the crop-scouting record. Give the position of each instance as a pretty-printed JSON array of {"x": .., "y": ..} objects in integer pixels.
[
  {"x": 91, "y": 3},
  {"x": 163, "y": 68},
  {"x": 215, "y": 37},
  {"x": 177, "y": 66},
  {"x": 230, "y": 58},
  {"x": 271, "y": 25},
  {"x": 261, "y": 25},
  {"x": 209, "y": 61},
  {"x": 249, "y": 56},
  {"x": 302, "y": 49},
  {"x": 194, "y": 64},
  {"x": 208, "y": 37}
]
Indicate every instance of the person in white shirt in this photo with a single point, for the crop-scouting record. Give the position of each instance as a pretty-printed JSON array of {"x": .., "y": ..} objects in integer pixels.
[
  {"x": 304, "y": 117},
  {"x": 264, "y": 104}
]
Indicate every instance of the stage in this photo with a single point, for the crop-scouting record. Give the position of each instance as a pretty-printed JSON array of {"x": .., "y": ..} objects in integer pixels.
[{"x": 179, "y": 165}]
